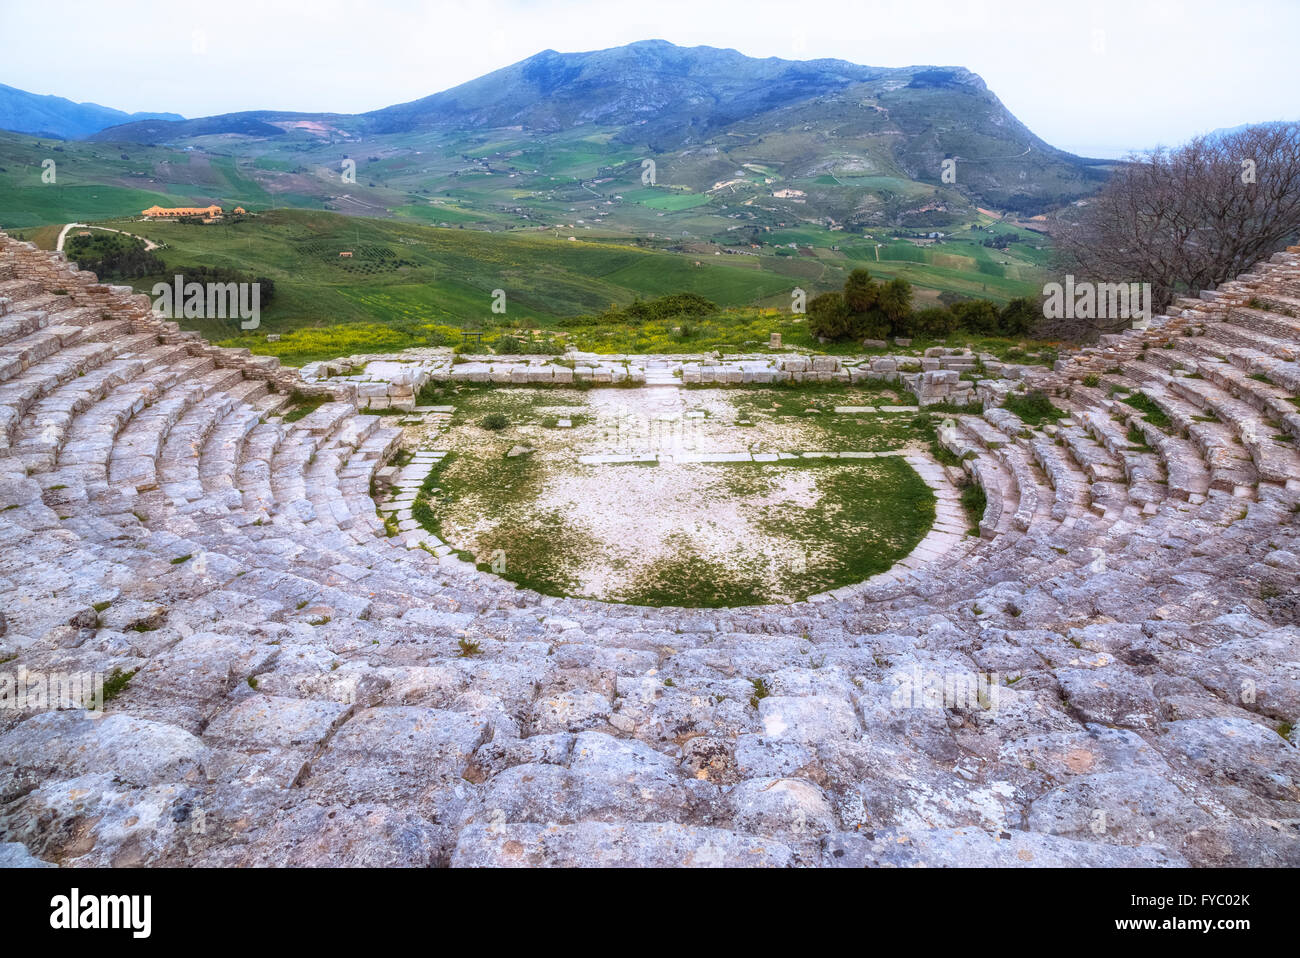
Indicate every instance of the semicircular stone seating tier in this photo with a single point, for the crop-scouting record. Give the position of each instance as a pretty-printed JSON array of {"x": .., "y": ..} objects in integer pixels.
[{"x": 1107, "y": 676}]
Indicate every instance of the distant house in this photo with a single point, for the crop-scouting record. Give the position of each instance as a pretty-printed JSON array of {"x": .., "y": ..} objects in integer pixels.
[
  {"x": 161, "y": 212},
  {"x": 346, "y": 254},
  {"x": 240, "y": 211}
]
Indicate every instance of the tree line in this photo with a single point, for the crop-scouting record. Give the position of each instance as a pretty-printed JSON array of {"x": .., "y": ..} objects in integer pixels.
[
  {"x": 114, "y": 256},
  {"x": 867, "y": 309}
]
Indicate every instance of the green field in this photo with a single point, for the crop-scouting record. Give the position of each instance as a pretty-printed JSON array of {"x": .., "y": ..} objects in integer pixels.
[
  {"x": 540, "y": 189},
  {"x": 412, "y": 278},
  {"x": 561, "y": 222},
  {"x": 412, "y": 285},
  {"x": 661, "y": 198}
]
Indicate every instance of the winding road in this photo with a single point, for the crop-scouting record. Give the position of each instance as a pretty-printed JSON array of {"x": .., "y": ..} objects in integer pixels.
[{"x": 63, "y": 235}]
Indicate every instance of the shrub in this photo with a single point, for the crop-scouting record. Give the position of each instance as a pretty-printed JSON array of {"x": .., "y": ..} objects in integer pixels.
[
  {"x": 860, "y": 292},
  {"x": 1019, "y": 316},
  {"x": 895, "y": 301},
  {"x": 976, "y": 315},
  {"x": 495, "y": 421},
  {"x": 112, "y": 255},
  {"x": 935, "y": 321},
  {"x": 828, "y": 316}
]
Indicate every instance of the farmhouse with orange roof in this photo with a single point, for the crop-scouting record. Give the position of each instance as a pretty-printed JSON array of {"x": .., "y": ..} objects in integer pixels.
[{"x": 161, "y": 212}]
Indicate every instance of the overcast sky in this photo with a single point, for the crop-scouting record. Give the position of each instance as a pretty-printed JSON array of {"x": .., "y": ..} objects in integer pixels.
[{"x": 1096, "y": 78}]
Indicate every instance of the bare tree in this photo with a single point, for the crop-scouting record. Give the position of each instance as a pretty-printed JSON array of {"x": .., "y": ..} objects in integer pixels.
[{"x": 1188, "y": 219}]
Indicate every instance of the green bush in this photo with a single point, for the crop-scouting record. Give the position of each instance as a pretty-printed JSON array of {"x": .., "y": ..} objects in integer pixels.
[
  {"x": 865, "y": 310},
  {"x": 1019, "y": 317},
  {"x": 976, "y": 315},
  {"x": 673, "y": 306},
  {"x": 495, "y": 421},
  {"x": 828, "y": 317},
  {"x": 861, "y": 293},
  {"x": 935, "y": 322}
]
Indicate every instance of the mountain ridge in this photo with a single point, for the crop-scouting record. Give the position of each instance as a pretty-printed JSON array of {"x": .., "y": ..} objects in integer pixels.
[
  {"x": 650, "y": 83},
  {"x": 739, "y": 144},
  {"x": 42, "y": 114}
]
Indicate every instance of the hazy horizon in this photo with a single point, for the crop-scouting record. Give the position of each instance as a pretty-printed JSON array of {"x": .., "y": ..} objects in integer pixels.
[{"x": 1136, "y": 74}]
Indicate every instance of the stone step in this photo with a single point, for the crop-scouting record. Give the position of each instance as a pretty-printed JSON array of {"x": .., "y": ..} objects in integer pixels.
[
  {"x": 17, "y": 325},
  {"x": 1234, "y": 335}
]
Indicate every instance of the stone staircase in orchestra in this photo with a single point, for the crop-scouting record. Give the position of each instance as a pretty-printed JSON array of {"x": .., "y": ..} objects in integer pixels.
[{"x": 307, "y": 689}]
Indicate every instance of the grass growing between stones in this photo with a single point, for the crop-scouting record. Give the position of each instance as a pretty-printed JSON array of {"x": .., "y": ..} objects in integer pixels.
[
  {"x": 813, "y": 405},
  {"x": 1150, "y": 411},
  {"x": 303, "y": 406},
  {"x": 1033, "y": 408},
  {"x": 531, "y": 550},
  {"x": 974, "y": 501}
]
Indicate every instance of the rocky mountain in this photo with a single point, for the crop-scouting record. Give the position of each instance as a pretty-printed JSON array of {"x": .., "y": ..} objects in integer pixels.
[
  {"x": 648, "y": 87},
  {"x": 61, "y": 118},
  {"x": 824, "y": 142}
]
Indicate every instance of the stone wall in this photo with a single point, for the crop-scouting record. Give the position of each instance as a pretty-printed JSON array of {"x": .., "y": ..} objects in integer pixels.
[{"x": 54, "y": 272}]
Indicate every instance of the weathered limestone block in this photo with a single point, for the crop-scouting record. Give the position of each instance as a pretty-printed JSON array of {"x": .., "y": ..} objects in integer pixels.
[
  {"x": 808, "y": 718},
  {"x": 360, "y": 836},
  {"x": 632, "y": 845},
  {"x": 16, "y": 855},
  {"x": 792, "y": 808},
  {"x": 69, "y": 743},
  {"x": 391, "y": 752},
  {"x": 1110, "y": 696},
  {"x": 974, "y": 848}
]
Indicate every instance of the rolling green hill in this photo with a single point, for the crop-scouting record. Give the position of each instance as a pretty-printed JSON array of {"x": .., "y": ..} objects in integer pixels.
[
  {"x": 767, "y": 175},
  {"x": 406, "y": 276},
  {"x": 407, "y": 284}
]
